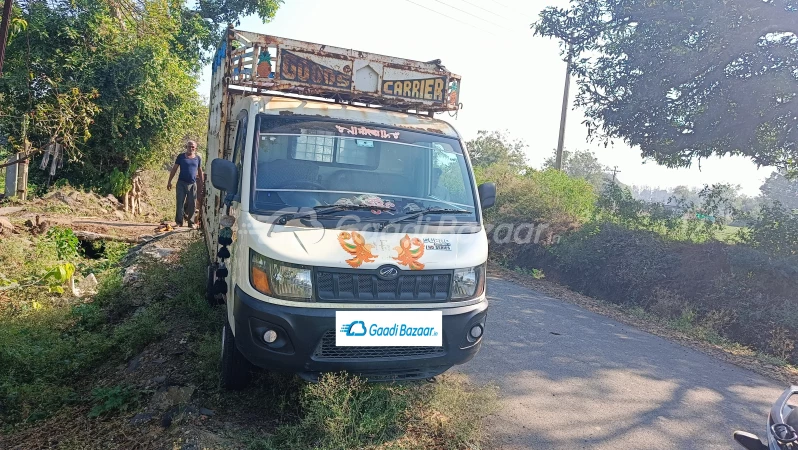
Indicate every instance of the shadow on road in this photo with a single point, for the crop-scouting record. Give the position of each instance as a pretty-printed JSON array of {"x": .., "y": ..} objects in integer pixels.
[{"x": 570, "y": 378}]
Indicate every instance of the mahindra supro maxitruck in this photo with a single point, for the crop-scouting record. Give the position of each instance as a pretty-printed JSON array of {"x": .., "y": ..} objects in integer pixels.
[{"x": 343, "y": 221}]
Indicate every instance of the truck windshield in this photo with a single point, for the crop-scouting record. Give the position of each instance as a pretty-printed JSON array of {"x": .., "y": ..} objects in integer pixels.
[{"x": 313, "y": 164}]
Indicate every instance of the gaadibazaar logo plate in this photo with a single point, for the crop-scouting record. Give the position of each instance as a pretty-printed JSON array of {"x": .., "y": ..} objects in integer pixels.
[{"x": 388, "y": 328}]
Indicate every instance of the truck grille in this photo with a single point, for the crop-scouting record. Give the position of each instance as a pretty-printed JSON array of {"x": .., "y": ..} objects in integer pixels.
[
  {"x": 327, "y": 350},
  {"x": 339, "y": 285}
]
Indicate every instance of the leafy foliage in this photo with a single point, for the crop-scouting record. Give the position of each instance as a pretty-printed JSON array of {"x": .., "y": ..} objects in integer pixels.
[
  {"x": 547, "y": 197},
  {"x": 581, "y": 164},
  {"x": 686, "y": 79},
  {"x": 65, "y": 241},
  {"x": 114, "y": 83},
  {"x": 679, "y": 219},
  {"x": 110, "y": 400},
  {"x": 495, "y": 147},
  {"x": 778, "y": 188},
  {"x": 774, "y": 231}
]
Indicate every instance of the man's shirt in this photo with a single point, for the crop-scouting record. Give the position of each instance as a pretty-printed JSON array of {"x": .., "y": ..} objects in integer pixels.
[{"x": 188, "y": 167}]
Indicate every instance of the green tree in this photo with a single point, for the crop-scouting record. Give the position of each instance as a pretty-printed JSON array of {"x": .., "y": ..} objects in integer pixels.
[
  {"x": 581, "y": 164},
  {"x": 113, "y": 82},
  {"x": 779, "y": 188},
  {"x": 683, "y": 80},
  {"x": 495, "y": 147},
  {"x": 774, "y": 230}
]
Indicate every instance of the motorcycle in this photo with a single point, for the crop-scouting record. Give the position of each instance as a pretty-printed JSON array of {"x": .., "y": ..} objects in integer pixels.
[{"x": 781, "y": 426}]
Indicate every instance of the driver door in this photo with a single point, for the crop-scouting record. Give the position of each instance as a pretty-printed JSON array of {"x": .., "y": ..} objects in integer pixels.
[{"x": 237, "y": 157}]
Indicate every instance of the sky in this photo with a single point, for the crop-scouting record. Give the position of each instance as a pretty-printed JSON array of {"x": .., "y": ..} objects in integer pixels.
[{"x": 512, "y": 81}]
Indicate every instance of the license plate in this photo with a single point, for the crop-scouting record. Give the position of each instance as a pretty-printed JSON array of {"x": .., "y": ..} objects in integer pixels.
[{"x": 388, "y": 328}]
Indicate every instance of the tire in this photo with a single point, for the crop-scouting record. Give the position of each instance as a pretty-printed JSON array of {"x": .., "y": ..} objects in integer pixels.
[
  {"x": 209, "y": 295},
  {"x": 236, "y": 369}
]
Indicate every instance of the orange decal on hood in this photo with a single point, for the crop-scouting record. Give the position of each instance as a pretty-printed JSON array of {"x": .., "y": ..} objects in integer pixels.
[
  {"x": 357, "y": 248},
  {"x": 409, "y": 256}
]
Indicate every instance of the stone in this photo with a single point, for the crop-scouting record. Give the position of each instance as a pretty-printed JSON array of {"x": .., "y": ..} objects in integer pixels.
[
  {"x": 159, "y": 252},
  {"x": 134, "y": 364},
  {"x": 168, "y": 417},
  {"x": 64, "y": 198},
  {"x": 131, "y": 275},
  {"x": 207, "y": 412},
  {"x": 6, "y": 227},
  {"x": 88, "y": 285},
  {"x": 141, "y": 418},
  {"x": 113, "y": 199},
  {"x": 173, "y": 396}
]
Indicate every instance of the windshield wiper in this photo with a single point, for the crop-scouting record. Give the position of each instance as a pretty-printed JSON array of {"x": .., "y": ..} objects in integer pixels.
[
  {"x": 413, "y": 215},
  {"x": 328, "y": 209}
]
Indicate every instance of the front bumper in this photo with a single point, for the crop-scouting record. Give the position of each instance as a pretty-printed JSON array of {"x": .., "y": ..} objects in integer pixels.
[{"x": 304, "y": 347}]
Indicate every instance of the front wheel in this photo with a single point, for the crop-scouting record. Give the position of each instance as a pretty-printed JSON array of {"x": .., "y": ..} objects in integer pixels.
[{"x": 236, "y": 369}]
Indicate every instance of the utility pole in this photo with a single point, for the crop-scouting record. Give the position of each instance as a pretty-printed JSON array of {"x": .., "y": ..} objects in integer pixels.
[
  {"x": 614, "y": 171},
  {"x": 564, "y": 113},
  {"x": 4, "y": 32}
]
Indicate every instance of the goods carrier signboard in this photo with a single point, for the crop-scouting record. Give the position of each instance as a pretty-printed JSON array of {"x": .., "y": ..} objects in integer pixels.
[{"x": 269, "y": 63}]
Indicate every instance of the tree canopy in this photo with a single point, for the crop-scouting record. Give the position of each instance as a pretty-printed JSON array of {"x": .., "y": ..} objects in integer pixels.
[
  {"x": 581, "y": 164},
  {"x": 114, "y": 82},
  {"x": 686, "y": 79},
  {"x": 495, "y": 147},
  {"x": 779, "y": 188}
]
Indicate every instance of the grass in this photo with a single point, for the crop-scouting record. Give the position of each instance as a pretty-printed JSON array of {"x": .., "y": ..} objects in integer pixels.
[
  {"x": 63, "y": 353},
  {"x": 342, "y": 412},
  {"x": 156, "y": 195},
  {"x": 50, "y": 342},
  {"x": 728, "y": 234}
]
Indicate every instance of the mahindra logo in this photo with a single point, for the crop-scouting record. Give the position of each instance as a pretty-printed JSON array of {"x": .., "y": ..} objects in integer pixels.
[{"x": 388, "y": 272}]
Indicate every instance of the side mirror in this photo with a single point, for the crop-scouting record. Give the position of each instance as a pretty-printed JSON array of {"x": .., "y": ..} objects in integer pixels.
[
  {"x": 224, "y": 176},
  {"x": 749, "y": 441},
  {"x": 487, "y": 194}
]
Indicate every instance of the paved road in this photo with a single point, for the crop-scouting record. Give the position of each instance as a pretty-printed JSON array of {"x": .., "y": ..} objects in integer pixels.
[{"x": 571, "y": 379}]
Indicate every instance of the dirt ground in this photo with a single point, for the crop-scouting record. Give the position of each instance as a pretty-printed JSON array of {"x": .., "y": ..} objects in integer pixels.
[{"x": 92, "y": 213}]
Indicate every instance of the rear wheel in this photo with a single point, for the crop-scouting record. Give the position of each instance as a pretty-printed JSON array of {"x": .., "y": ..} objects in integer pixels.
[{"x": 236, "y": 369}]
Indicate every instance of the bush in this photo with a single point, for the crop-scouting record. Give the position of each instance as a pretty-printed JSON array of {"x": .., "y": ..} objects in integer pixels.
[
  {"x": 343, "y": 412},
  {"x": 547, "y": 197},
  {"x": 607, "y": 260},
  {"x": 677, "y": 220},
  {"x": 774, "y": 230}
]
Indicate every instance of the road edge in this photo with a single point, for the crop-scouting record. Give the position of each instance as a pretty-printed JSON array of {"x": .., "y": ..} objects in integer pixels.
[{"x": 781, "y": 374}]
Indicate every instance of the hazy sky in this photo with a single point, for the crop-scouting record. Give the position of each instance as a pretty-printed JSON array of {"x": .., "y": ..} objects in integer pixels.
[{"x": 512, "y": 80}]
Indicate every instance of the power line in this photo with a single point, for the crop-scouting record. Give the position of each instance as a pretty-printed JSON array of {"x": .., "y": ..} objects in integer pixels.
[
  {"x": 451, "y": 18},
  {"x": 486, "y": 10},
  {"x": 513, "y": 9},
  {"x": 472, "y": 15}
]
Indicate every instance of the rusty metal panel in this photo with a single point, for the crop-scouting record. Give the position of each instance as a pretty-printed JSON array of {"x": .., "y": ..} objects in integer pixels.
[{"x": 267, "y": 64}]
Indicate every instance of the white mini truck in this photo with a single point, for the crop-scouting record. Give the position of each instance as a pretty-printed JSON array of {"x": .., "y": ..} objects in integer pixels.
[{"x": 343, "y": 221}]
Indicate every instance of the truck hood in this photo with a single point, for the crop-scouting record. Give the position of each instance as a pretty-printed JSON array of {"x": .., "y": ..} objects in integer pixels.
[{"x": 363, "y": 249}]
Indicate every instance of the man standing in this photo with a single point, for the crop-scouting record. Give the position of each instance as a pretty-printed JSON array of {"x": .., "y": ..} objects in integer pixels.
[{"x": 190, "y": 165}]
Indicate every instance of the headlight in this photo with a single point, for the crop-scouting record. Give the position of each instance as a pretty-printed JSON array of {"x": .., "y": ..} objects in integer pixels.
[
  {"x": 278, "y": 279},
  {"x": 468, "y": 282}
]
